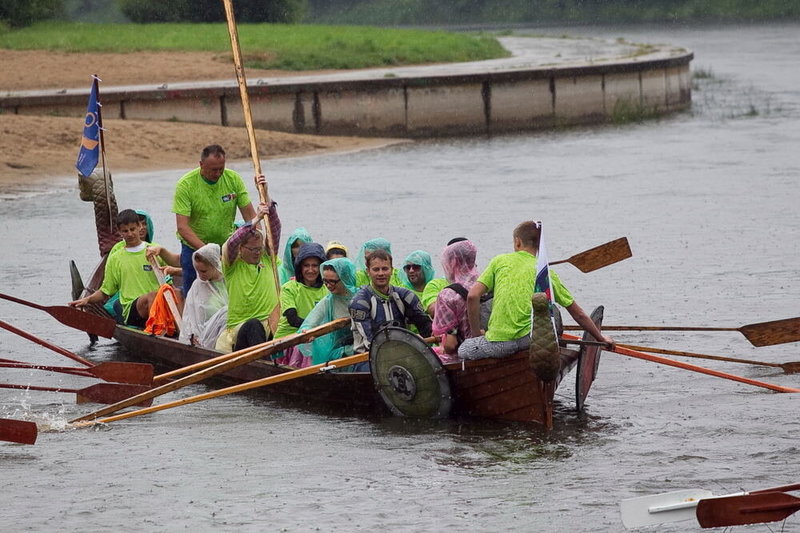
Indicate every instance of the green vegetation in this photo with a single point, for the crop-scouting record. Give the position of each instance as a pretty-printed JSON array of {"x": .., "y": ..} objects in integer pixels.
[
  {"x": 18, "y": 13},
  {"x": 427, "y": 12},
  {"x": 289, "y": 47}
]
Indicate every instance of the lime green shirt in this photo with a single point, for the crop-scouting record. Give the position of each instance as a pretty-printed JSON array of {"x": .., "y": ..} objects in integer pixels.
[
  {"x": 251, "y": 290},
  {"x": 130, "y": 275},
  {"x": 298, "y": 296},
  {"x": 432, "y": 290},
  {"x": 211, "y": 208},
  {"x": 363, "y": 279},
  {"x": 511, "y": 277}
]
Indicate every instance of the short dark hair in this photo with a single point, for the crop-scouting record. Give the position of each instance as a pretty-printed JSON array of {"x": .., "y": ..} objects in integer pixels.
[
  {"x": 379, "y": 254},
  {"x": 212, "y": 149},
  {"x": 455, "y": 240},
  {"x": 127, "y": 216},
  {"x": 528, "y": 232}
]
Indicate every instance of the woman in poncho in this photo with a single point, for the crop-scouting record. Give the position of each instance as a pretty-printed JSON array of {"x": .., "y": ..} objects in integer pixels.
[
  {"x": 205, "y": 310},
  {"x": 299, "y": 237},
  {"x": 339, "y": 276},
  {"x": 450, "y": 316},
  {"x": 361, "y": 261}
]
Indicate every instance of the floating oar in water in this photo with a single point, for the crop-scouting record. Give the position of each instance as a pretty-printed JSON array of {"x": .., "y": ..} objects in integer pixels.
[
  {"x": 97, "y": 393},
  {"x": 18, "y": 431},
  {"x": 694, "y": 368},
  {"x": 760, "y": 334},
  {"x": 113, "y": 371},
  {"x": 788, "y": 368},
  {"x": 286, "y": 376},
  {"x": 69, "y": 316},
  {"x": 242, "y": 358},
  {"x": 600, "y": 256},
  {"x": 674, "y": 506},
  {"x": 746, "y": 509}
]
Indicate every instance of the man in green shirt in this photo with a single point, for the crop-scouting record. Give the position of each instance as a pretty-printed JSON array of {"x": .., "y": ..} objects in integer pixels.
[
  {"x": 205, "y": 204},
  {"x": 511, "y": 277}
]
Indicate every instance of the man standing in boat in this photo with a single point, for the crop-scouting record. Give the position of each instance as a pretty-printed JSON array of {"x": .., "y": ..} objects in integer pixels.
[
  {"x": 205, "y": 204},
  {"x": 380, "y": 303},
  {"x": 512, "y": 278}
]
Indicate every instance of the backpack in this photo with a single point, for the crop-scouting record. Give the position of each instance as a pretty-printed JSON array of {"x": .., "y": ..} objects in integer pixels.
[{"x": 486, "y": 302}]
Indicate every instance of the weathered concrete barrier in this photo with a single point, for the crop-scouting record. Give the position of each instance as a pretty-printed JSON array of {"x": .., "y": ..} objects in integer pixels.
[{"x": 416, "y": 104}]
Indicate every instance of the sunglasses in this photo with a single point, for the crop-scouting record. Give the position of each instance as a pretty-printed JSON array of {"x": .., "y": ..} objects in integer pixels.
[
  {"x": 412, "y": 267},
  {"x": 330, "y": 282}
]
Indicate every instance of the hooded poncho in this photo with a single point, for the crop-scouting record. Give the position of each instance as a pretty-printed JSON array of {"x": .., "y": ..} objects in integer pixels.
[
  {"x": 423, "y": 259},
  {"x": 204, "y": 301},
  {"x": 297, "y": 295},
  {"x": 458, "y": 261},
  {"x": 361, "y": 262},
  {"x": 286, "y": 269}
]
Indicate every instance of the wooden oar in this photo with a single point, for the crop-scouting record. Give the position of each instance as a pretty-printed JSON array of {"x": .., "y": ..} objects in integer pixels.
[
  {"x": 97, "y": 393},
  {"x": 263, "y": 192},
  {"x": 114, "y": 371},
  {"x": 788, "y": 368},
  {"x": 600, "y": 256},
  {"x": 111, "y": 371},
  {"x": 171, "y": 303},
  {"x": 10, "y": 363},
  {"x": 286, "y": 376},
  {"x": 694, "y": 368},
  {"x": 69, "y": 316},
  {"x": 246, "y": 356},
  {"x": 760, "y": 334},
  {"x": 746, "y": 509},
  {"x": 18, "y": 431}
]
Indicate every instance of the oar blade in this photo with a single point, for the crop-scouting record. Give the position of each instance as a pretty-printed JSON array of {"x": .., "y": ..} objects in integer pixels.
[
  {"x": 747, "y": 509},
  {"x": 661, "y": 508},
  {"x": 108, "y": 393},
  {"x": 18, "y": 431},
  {"x": 771, "y": 333},
  {"x": 602, "y": 256},
  {"x": 88, "y": 322},
  {"x": 122, "y": 372}
]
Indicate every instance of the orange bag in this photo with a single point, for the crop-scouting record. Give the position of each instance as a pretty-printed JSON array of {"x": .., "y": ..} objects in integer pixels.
[{"x": 161, "y": 321}]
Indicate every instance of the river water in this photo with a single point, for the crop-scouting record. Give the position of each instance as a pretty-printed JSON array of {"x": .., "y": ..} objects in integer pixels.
[{"x": 707, "y": 198}]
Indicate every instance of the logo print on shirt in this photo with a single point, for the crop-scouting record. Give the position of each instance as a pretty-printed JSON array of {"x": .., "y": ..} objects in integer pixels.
[
  {"x": 147, "y": 268},
  {"x": 229, "y": 197}
]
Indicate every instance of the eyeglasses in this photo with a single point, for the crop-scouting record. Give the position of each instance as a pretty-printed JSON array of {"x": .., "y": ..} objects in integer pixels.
[
  {"x": 330, "y": 282},
  {"x": 412, "y": 267},
  {"x": 254, "y": 249}
]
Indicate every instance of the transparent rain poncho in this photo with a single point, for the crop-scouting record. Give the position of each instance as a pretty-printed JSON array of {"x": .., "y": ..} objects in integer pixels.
[
  {"x": 286, "y": 269},
  {"x": 205, "y": 301},
  {"x": 422, "y": 258},
  {"x": 338, "y": 343},
  {"x": 369, "y": 247},
  {"x": 458, "y": 262}
]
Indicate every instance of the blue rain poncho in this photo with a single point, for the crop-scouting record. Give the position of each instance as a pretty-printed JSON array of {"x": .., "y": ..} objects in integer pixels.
[
  {"x": 361, "y": 263},
  {"x": 286, "y": 269},
  {"x": 423, "y": 259},
  {"x": 337, "y": 343}
]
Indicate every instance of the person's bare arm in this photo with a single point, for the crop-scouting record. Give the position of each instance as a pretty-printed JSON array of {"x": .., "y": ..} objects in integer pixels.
[
  {"x": 187, "y": 233},
  {"x": 580, "y": 316},
  {"x": 97, "y": 297},
  {"x": 474, "y": 307},
  {"x": 170, "y": 258}
]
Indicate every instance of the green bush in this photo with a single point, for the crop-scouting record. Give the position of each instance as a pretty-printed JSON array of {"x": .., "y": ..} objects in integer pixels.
[
  {"x": 20, "y": 13},
  {"x": 283, "y": 11}
]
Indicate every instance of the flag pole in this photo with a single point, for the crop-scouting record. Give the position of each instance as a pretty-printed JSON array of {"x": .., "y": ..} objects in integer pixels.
[{"x": 101, "y": 138}]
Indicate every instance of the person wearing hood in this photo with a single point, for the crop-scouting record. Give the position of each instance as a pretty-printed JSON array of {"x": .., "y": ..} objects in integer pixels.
[
  {"x": 207, "y": 296},
  {"x": 417, "y": 272},
  {"x": 299, "y": 237},
  {"x": 339, "y": 276},
  {"x": 301, "y": 294},
  {"x": 450, "y": 321},
  {"x": 363, "y": 258}
]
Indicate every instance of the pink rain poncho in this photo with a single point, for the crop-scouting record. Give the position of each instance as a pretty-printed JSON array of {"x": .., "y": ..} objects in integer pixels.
[{"x": 458, "y": 261}]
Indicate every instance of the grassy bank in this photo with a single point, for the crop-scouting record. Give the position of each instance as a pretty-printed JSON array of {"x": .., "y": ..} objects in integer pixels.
[{"x": 273, "y": 46}]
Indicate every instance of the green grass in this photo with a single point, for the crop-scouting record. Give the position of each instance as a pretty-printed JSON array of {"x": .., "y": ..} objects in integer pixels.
[{"x": 289, "y": 47}]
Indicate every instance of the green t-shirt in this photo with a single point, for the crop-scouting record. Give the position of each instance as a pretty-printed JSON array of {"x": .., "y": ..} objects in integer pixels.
[
  {"x": 130, "y": 274},
  {"x": 363, "y": 279},
  {"x": 251, "y": 290},
  {"x": 432, "y": 290},
  {"x": 511, "y": 277},
  {"x": 298, "y": 296},
  {"x": 211, "y": 208}
]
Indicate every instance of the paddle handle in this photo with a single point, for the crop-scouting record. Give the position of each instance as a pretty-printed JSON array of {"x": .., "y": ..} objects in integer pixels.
[
  {"x": 57, "y": 349},
  {"x": 173, "y": 306},
  {"x": 651, "y": 328}
]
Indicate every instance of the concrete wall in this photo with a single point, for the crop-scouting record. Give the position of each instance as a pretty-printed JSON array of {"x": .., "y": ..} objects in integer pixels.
[{"x": 419, "y": 106}]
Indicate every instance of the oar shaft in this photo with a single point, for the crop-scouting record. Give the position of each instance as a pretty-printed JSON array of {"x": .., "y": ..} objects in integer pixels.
[
  {"x": 41, "y": 342},
  {"x": 651, "y": 328},
  {"x": 698, "y": 355},
  {"x": 4, "y": 363},
  {"x": 338, "y": 363},
  {"x": 36, "y": 387}
]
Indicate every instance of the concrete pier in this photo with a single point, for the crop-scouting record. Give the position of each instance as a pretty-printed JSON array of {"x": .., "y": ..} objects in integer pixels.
[{"x": 548, "y": 82}]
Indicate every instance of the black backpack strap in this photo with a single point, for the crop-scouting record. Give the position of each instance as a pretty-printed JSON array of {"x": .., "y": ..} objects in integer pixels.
[{"x": 459, "y": 288}]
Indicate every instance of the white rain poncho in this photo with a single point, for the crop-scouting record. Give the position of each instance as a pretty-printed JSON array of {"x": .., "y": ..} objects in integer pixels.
[{"x": 206, "y": 301}]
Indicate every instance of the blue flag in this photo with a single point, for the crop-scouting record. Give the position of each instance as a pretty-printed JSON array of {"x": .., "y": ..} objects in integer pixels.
[{"x": 89, "y": 154}]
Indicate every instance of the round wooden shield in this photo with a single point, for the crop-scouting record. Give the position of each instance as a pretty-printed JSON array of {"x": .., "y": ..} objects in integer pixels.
[
  {"x": 408, "y": 375},
  {"x": 588, "y": 362}
]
